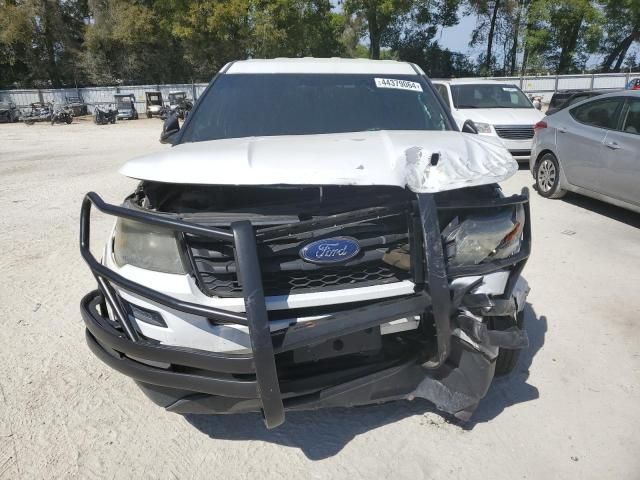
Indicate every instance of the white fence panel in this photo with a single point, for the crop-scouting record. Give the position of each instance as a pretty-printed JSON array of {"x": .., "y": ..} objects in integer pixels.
[{"x": 92, "y": 96}]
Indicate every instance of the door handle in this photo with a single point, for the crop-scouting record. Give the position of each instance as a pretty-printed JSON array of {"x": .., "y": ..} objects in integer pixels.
[
  {"x": 612, "y": 145},
  {"x": 562, "y": 129}
]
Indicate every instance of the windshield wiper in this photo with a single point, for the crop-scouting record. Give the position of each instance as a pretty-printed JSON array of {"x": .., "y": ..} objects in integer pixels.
[{"x": 467, "y": 106}]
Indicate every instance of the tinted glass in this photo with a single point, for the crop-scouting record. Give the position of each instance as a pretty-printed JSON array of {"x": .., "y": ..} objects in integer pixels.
[
  {"x": 599, "y": 113},
  {"x": 123, "y": 102},
  {"x": 631, "y": 121},
  {"x": 489, "y": 96},
  {"x": 442, "y": 90},
  {"x": 246, "y": 105}
]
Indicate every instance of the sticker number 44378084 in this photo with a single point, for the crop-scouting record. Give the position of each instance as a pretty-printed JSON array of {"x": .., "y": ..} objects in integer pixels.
[{"x": 399, "y": 84}]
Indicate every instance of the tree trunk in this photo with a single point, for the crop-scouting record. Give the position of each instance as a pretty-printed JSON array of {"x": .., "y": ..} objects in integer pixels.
[
  {"x": 619, "y": 52},
  {"x": 492, "y": 28},
  {"x": 374, "y": 32},
  {"x": 568, "y": 47},
  {"x": 514, "y": 47},
  {"x": 48, "y": 34},
  {"x": 626, "y": 44}
]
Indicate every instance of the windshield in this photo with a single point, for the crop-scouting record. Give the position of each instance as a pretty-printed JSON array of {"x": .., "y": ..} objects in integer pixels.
[
  {"x": 153, "y": 98},
  {"x": 489, "y": 96},
  {"x": 247, "y": 105},
  {"x": 176, "y": 97},
  {"x": 4, "y": 106},
  {"x": 123, "y": 102}
]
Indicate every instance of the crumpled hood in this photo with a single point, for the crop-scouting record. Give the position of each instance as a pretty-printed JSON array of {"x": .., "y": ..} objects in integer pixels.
[{"x": 425, "y": 161}]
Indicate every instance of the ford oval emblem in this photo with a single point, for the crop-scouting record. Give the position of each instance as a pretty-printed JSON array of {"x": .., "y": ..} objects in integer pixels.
[{"x": 330, "y": 250}]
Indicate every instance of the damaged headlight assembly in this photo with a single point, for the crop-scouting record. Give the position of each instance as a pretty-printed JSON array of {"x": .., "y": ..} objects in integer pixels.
[
  {"x": 479, "y": 238},
  {"x": 146, "y": 246}
]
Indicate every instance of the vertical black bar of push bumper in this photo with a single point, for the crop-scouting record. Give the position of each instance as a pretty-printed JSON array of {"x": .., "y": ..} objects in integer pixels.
[
  {"x": 256, "y": 310},
  {"x": 436, "y": 276}
]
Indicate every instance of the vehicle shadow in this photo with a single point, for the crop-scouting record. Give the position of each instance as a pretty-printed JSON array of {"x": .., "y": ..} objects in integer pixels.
[
  {"x": 601, "y": 208},
  {"x": 513, "y": 389},
  {"x": 321, "y": 434}
]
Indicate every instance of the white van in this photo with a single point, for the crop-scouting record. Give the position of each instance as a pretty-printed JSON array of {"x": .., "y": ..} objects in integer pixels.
[{"x": 498, "y": 109}]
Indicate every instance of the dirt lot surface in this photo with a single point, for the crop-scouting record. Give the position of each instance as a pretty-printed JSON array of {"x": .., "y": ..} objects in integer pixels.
[{"x": 571, "y": 410}]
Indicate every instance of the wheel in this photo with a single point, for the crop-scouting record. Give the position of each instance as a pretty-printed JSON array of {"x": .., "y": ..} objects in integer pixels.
[
  {"x": 507, "y": 358},
  {"x": 548, "y": 177},
  {"x": 29, "y": 122},
  {"x": 69, "y": 120},
  {"x": 149, "y": 115}
]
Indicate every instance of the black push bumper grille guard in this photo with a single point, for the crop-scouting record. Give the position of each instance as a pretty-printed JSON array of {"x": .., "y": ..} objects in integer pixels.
[{"x": 231, "y": 370}]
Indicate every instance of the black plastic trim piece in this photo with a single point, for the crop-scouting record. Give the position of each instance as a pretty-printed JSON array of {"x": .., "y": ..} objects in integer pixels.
[
  {"x": 250, "y": 278},
  {"x": 114, "y": 339},
  {"x": 227, "y": 387},
  {"x": 436, "y": 276}
]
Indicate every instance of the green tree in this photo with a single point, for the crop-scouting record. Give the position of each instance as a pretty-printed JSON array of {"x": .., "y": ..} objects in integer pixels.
[
  {"x": 382, "y": 18},
  {"x": 622, "y": 29},
  {"x": 40, "y": 41}
]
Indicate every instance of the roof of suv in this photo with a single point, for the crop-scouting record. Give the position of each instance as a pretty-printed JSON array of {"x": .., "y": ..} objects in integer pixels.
[{"x": 323, "y": 65}]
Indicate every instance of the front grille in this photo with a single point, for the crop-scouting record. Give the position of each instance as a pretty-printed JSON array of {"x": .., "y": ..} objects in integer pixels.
[
  {"x": 284, "y": 272},
  {"x": 514, "y": 132}
]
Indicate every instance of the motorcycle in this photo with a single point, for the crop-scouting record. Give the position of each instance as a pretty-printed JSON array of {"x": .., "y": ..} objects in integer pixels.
[
  {"x": 105, "y": 116},
  {"x": 61, "y": 114}
]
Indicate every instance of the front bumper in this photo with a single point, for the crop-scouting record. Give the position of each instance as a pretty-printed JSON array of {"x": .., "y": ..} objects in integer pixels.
[{"x": 455, "y": 376}]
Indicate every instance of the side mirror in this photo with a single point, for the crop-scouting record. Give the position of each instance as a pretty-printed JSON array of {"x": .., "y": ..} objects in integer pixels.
[
  {"x": 170, "y": 127},
  {"x": 469, "y": 127}
]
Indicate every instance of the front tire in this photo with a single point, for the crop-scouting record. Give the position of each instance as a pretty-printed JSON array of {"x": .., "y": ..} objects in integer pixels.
[
  {"x": 548, "y": 177},
  {"x": 507, "y": 359}
]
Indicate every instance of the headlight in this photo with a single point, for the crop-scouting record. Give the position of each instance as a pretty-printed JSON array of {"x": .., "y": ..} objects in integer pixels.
[
  {"x": 146, "y": 246},
  {"x": 484, "y": 237},
  {"x": 483, "y": 127}
]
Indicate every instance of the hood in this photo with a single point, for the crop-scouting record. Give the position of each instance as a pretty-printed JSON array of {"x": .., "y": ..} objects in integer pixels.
[
  {"x": 154, "y": 108},
  {"x": 425, "y": 161},
  {"x": 503, "y": 116}
]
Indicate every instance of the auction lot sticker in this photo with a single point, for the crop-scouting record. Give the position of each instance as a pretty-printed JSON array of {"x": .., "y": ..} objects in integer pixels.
[{"x": 398, "y": 84}]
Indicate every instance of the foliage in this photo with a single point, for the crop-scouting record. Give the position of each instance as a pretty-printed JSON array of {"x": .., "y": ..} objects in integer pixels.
[{"x": 52, "y": 43}]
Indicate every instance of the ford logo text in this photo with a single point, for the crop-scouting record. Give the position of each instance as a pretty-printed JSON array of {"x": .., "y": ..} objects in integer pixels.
[{"x": 330, "y": 250}]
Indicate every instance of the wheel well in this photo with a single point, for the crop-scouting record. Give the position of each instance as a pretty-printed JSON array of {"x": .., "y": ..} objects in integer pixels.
[{"x": 540, "y": 155}]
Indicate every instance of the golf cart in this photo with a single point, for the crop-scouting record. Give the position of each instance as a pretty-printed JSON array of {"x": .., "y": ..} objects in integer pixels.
[
  {"x": 76, "y": 105},
  {"x": 154, "y": 104},
  {"x": 179, "y": 104},
  {"x": 126, "y": 107}
]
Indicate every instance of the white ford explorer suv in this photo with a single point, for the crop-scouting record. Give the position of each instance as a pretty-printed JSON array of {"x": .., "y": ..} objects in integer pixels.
[
  {"x": 319, "y": 234},
  {"x": 498, "y": 110}
]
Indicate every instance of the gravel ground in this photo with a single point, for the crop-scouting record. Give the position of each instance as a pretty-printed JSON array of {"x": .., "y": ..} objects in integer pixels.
[{"x": 569, "y": 411}]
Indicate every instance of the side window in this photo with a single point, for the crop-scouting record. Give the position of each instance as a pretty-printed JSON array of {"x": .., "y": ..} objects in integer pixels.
[
  {"x": 442, "y": 90},
  {"x": 603, "y": 113},
  {"x": 631, "y": 119},
  {"x": 576, "y": 99}
]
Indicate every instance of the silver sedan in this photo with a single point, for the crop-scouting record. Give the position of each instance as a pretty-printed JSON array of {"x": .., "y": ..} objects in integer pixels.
[{"x": 591, "y": 148}]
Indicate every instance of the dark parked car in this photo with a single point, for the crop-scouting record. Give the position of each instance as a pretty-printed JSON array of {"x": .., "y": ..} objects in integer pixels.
[
  {"x": 77, "y": 106},
  {"x": 9, "y": 113},
  {"x": 575, "y": 98}
]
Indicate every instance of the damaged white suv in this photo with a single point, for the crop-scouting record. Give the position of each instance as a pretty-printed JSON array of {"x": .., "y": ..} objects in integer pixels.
[{"x": 320, "y": 234}]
